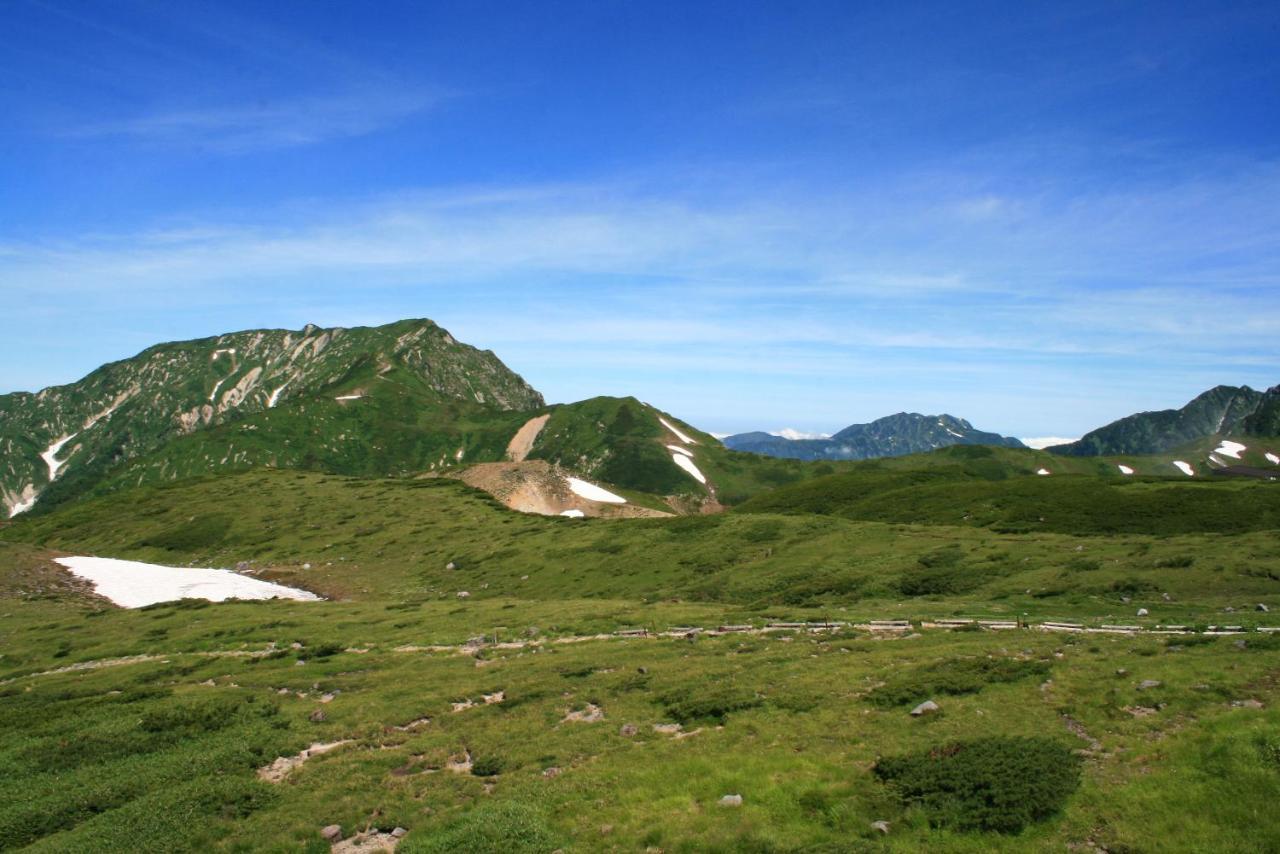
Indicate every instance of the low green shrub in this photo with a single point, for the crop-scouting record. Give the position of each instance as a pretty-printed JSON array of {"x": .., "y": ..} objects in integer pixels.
[
  {"x": 710, "y": 703},
  {"x": 999, "y": 784},
  {"x": 487, "y": 766},
  {"x": 952, "y": 676}
]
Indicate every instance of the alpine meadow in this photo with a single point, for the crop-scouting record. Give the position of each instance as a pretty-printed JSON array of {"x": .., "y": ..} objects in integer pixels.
[{"x": 527, "y": 428}]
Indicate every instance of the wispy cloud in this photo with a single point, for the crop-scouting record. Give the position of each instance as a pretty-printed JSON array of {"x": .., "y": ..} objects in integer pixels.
[
  {"x": 626, "y": 287},
  {"x": 269, "y": 124}
]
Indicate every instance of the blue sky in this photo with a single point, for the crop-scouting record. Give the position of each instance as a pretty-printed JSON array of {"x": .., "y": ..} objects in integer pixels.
[{"x": 1037, "y": 216}]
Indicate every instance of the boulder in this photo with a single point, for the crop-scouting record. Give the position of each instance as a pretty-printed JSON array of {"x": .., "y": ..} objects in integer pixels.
[
  {"x": 332, "y": 832},
  {"x": 1142, "y": 612},
  {"x": 628, "y": 730},
  {"x": 1147, "y": 684},
  {"x": 399, "y": 832},
  {"x": 928, "y": 707},
  {"x": 1260, "y": 607},
  {"x": 882, "y": 826},
  {"x": 731, "y": 801},
  {"x": 317, "y": 717},
  {"x": 450, "y": 565}
]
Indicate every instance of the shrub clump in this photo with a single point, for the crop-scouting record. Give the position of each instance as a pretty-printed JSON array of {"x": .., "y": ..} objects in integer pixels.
[
  {"x": 998, "y": 784},
  {"x": 713, "y": 703},
  {"x": 953, "y": 676},
  {"x": 510, "y": 827}
]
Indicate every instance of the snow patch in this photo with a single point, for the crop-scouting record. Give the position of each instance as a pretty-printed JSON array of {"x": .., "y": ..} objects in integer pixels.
[
  {"x": 1229, "y": 449},
  {"x": 680, "y": 450},
  {"x": 50, "y": 456},
  {"x": 132, "y": 584},
  {"x": 213, "y": 394},
  {"x": 1185, "y": 468},
  {"x": 1041, "y": 442},
  {"x": 350, "y": 397},
  {"x": 682, "y": 437},
  {"x": 1124, "y": 469},
  {"x": 26, "y": 504},
  {"x": 573, "y": 514},
  {"x": 687, "y": 464},
  {"x": 1043, "y": 471},
  {"x": 591, "y": 492},
  {"x": 275, "y": 395},
  {"x": 1273, "y": 459}
]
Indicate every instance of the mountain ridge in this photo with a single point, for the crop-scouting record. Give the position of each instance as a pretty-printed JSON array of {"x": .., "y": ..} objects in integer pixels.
[
  {"x": 1220, "y": 411},
  {"x": 130, "y": 407},
  {"x": 893, "y": 435}
]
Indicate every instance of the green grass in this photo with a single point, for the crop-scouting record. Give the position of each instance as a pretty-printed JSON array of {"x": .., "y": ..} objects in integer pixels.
[{"x": 143, "y": 729}]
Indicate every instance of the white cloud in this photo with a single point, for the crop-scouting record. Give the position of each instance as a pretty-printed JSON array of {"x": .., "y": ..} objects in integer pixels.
[
  {"x": 268, "y": 124},
  {"x": 1041, "y": 442},
  {"x": 789, "y": 433}
]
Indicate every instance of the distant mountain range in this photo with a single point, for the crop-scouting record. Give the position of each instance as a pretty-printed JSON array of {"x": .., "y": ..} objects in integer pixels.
[
  {"x": 1221, "y": 411},
  {"x": 407, "y": 399},
  {"x": 891, "y": 436}
]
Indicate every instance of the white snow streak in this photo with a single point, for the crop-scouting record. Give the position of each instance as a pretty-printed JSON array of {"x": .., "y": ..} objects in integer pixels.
[
  {"x": 1124, "y": 469},
  {"x": 687, "y": 464},
  {"x": 350, "y": 397},
  {"x": 1273, "y": 459},
  {"x": 50, "y": 456},
  {"x": 1041, "y": 442},
  {"x": 680, "y": 450},
  {"x": 132, "y": 584},
  {"x": 591, "y": 492},
  {"x": 682, "y": 437},
  {"x": 1185, "y": 468},
  {"x": 275, "y": 395},
  {"x": 572, "y": 514}
]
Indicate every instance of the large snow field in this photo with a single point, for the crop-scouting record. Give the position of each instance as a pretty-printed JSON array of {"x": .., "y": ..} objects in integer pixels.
[{"x": 132, "y": 584}]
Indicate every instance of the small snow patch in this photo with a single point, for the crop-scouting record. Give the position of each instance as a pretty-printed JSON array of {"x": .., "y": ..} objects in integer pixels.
[
  {"x": 1042, "y": 471},
  {"x": 687, "y": 464},
  {"x": 1229, "y": 449},
  {"x": 680, "y": 450},
  {"x": 1124, "y": 469},
  {"x": 682, "y": 437},
  {"x": 50, "y": 456},
  {"x": 1185, "y": 468},
  {"x": 1273, "y": 459},
  {"x": 572, "y": 514},
  {"x": 591, "y": 492},
  {"x": 350, "y": 397}
]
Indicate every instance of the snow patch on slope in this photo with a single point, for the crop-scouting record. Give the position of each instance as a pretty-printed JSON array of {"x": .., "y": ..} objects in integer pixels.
[
  {"x": 1124, "y": 469},
  {"x": 1229, "y": 449},
  {"x": 591, "y": 492},
  {"x": 1273, "y": 459},
  {"x": 687, "y": 464},
  {"x": 50, "y": 456},
  {"x": 1042, "y": 442},
  {"x": 680, "y": 450},
  {"x": 1042, "y": 471},
  {"x": 132, "y": 584},
  {"x": 1185, "y": 468},
  {"x": 682, "y": 437}
]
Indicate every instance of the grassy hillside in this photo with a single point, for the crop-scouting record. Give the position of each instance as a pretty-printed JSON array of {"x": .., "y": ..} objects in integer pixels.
[
  {"x": 145, "y": 729},
  {"x": 394, "y": 538},
  {"x": 998, "y": 489}
]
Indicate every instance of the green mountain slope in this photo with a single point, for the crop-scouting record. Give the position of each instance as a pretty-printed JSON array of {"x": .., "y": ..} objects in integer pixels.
[
  {"x": 64, "y": 440},
  {"x": 1000, "y": 489}
]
